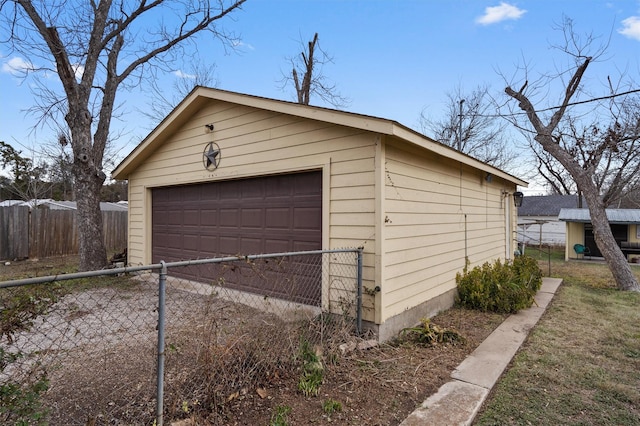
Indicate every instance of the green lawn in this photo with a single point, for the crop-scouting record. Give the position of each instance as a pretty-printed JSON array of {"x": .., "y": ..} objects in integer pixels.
[{"x": 581, "y": 364}]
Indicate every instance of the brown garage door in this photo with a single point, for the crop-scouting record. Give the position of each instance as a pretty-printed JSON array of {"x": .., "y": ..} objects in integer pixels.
[{"x": 270, "y": 214}]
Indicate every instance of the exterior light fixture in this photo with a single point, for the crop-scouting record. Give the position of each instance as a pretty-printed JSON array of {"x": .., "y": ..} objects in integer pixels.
[{"x": 517, "y": 198}]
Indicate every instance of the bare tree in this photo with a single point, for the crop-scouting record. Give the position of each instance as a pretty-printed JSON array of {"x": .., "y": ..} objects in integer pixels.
[
  {"x": 99, "y": 48},
  {"x": 614, "y": 147},
  {"x": 471, "y": 125},
  {"x": 557, "y": 179},
  {"x": 27, "y": 177},
  {"x": 309, "y": 79},
  {"x": 60, "y": 159},
  {"x": 583, "y": 158},
  {"x": 164, "y": 100}
]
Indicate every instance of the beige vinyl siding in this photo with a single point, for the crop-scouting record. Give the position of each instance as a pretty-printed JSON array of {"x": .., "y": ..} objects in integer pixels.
[
  {"x": 352, "y": 213},
  {"x": 426, "y": 199},
  {"x": 256, "y": 142},
  {"x": 575, "y": 235}
]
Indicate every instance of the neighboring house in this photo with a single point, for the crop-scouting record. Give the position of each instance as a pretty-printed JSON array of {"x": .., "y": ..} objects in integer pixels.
[
  {"x": 62, "y": 205},
  {"x": 11, "y": 203},
  {"x": 538, "y": 221},
  {"x": 228, "y": 173},
  {"x": 625, "y": 225}
]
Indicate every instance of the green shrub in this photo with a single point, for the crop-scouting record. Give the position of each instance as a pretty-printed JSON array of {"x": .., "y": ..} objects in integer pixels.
[{"x": 500, "y": 287}]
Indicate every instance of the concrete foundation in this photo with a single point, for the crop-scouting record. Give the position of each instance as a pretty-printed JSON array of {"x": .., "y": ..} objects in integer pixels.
[{"x": 411, "y": 317}]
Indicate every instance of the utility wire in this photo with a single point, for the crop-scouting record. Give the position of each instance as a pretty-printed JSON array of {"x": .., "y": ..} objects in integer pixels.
[{"x": 601, "y": 98}]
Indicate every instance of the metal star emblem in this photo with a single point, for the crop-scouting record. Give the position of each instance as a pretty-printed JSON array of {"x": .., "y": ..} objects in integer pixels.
[{"x": 211, "y": 156}]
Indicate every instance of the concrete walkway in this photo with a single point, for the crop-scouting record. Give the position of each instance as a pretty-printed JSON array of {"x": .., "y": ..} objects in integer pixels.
[{"x": 458, "y": 401}]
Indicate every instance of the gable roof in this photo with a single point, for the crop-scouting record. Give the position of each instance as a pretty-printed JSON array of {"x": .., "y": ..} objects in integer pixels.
[
  {"x": 547, "y": 205},
  {"x": 618, "y": 216},
  {"x": 199, "y": 96}
]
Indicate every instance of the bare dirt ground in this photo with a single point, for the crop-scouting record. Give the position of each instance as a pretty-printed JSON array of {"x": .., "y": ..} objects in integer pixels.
[{"x": 376, "y": 386}]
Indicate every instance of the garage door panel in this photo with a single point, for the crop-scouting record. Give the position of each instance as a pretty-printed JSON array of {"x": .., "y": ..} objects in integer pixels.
[
  {"x": 312, "y": 184},
  {"x": 251, "y": 245},
  {"x": 270, "y": 214},
  {"x": 279, "y": 186},
  {"x": 191, "y": 192},
  {"x": 208, "y": 217},
  {"x": 229, "y": 218},
  {"x": 252, "y": 218},
  {"x": 304, "y": 246},
  {"x": 190, "y": 242},
  {"x": 227, "y": 246},
  {"x": 277, "y": 245},
  {"x": 161, "y": 218},
  {"x": 277, "y": 218},
  {"x": 208, "y": 243},
  {"x": 174, "y": 217},
  {"x": 307, "y": 218},
  {"x": 252, "y": 191},
  {"x": 210, "y": 193},
  {"x": 168, "y": 240},
  {"x": 191, "y": 217},
  {"x": 228, "y": 192}
]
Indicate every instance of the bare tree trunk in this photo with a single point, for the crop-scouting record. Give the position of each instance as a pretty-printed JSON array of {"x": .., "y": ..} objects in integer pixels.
[
  {"x": 605, "y": 240},
  {"x": 88, "y": 177},
  {"x": 608, "y": 246},
  {"x": 303, "y": 89},
  {"x": 93, "y": 254}
]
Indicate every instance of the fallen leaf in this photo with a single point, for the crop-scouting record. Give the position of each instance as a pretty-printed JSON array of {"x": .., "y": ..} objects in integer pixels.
[
  {"x": 262, "y": 392},
  {"x": 233, "y": 396}
]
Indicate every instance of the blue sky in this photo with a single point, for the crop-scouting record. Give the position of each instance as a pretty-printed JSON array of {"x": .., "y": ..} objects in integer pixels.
[{"x": 392, "y": 59}]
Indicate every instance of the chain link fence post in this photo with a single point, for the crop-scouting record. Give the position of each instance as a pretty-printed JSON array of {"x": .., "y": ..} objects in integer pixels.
[
  {"x": 359, "y": 294},
  {"x": 162, "y": 286}
]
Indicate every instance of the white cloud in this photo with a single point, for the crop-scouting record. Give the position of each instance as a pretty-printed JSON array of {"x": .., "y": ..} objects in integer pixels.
[
  {"x": 495, "y": 14},
  {"x": 181, "y": 74},
  {"x": 78, "y": 69},
  {"x": 631, "y": 27},
  {"x": 17, "y": 65},
  {"x": 241, "y": 44}
]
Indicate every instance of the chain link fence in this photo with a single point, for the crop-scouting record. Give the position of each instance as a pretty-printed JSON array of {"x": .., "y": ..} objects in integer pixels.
[{"x": 145, "y": 344}]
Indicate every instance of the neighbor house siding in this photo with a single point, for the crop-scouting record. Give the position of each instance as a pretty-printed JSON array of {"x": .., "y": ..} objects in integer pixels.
[
  {"x": 426, "y": 199},
  {"x": 256, "y": 142},
  {"x": 536, "y": 230},
  {"x": 575, "y": 235}
]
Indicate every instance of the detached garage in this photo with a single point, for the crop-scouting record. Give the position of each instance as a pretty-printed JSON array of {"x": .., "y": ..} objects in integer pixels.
[{"x": 233, "y": 174}]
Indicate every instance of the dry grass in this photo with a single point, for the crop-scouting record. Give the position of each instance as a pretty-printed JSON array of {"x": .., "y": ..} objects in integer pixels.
[
  {"x": 228, "y": 363},
  {"x": 581, "y": 364}
]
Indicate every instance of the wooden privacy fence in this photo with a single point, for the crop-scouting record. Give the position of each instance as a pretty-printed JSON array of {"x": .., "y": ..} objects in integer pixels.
[{"x": 40, "y": 233}]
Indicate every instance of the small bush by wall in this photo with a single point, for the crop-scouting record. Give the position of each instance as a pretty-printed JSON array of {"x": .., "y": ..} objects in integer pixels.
[{"x": 500, "y": 287}]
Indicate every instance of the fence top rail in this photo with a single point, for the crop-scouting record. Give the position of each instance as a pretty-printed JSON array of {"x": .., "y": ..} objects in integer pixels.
[
  {"x": 76, "y": 275},
  {"x": 162, "y": 265}
]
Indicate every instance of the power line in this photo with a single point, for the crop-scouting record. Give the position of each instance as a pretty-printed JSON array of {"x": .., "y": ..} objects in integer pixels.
[{"x": 601, "y": 98}]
